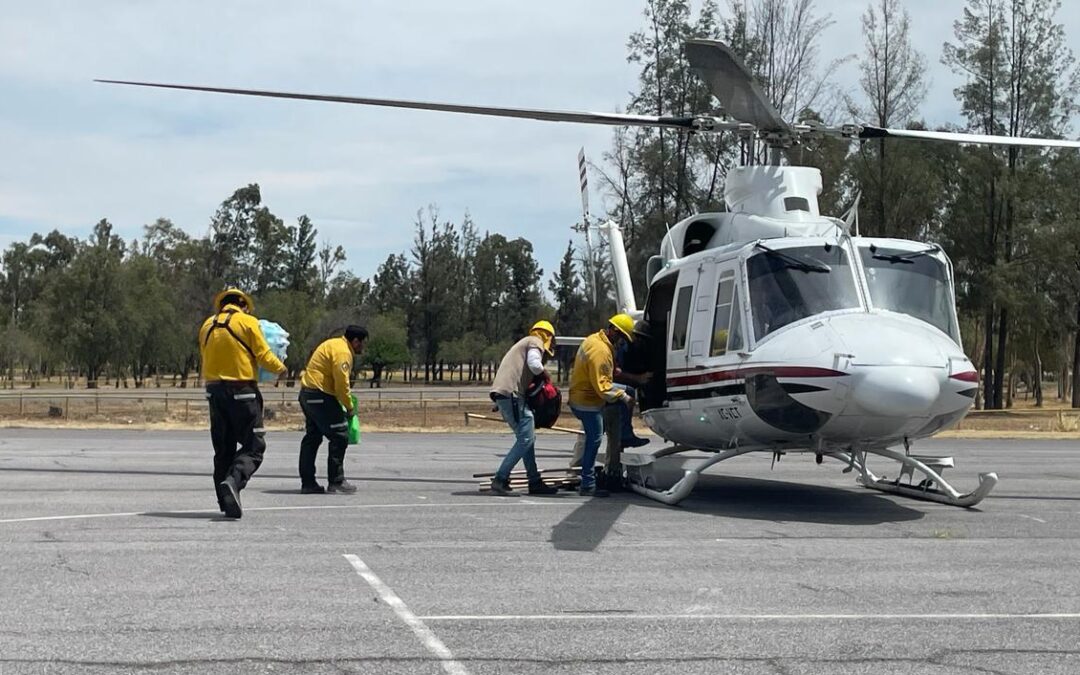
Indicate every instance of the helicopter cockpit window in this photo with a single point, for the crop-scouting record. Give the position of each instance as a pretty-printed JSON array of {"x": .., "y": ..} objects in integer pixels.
[
  {"x": 793, "y": 283},
  {"x": 913, "y": 283}
]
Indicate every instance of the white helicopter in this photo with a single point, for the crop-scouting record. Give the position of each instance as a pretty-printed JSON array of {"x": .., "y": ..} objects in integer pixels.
[{"x": 775, "y": 328}]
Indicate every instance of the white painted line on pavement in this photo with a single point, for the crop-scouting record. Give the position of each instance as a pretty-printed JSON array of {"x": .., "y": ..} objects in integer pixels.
[
  {"x": 1037, "y": 520},
  {"x": 618, "y": 616},
  {"x": 419, "y": 628},
  {"x": 126, "y": 514}
]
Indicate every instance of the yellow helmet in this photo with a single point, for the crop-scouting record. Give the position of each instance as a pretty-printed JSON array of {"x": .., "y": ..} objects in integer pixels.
[
  {"x": 624, "y": 324},
  {"x": 543, "y": 326},
  {"x": 233, "y": 291}
]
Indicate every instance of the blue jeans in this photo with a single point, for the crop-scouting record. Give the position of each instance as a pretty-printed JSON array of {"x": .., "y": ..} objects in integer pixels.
[
  {"x": 516, "y": 414},
  {"x": 592, "y": 421},
  {"x": 626, "y": 416}
]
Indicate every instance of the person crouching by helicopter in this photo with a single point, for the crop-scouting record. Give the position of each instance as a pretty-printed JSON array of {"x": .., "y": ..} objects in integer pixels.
[
  {"x": 519, "y": 366},
  {"x": 591, "y": 388},
  {"x": 632, "y": 373},
  {"x": 326, "y": 399},
  {"x": 232, "y": 347}
]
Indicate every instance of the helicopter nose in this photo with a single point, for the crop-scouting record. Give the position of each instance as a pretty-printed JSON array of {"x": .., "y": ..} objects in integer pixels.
[{"x": 897, "y": 390}]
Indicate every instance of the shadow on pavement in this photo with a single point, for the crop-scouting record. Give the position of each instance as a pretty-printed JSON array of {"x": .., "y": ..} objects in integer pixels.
[{"x": 736, "y": 497}]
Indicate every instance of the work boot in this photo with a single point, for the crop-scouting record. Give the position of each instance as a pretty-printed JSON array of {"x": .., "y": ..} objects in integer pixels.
[
  {"x": 541, "y": 488},
  {"x": 635, "y": 442},
  {"x": 592, "y": 491},
  {"x": 501, "y": 487},
  {"x": 312, "y": 489},
  {"x": 613, "y": 479},
  {"x": 344, "y": 487},
  {"x": 229, "y": 497}
]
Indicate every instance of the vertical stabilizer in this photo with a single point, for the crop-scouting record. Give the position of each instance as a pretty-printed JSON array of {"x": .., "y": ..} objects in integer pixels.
[{"x": 624, "y": 288}]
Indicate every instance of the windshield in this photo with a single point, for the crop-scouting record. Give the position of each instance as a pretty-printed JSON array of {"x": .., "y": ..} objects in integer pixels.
[
  {"x": 789, "y": 284},
  {"x": 913, "y": 283}
]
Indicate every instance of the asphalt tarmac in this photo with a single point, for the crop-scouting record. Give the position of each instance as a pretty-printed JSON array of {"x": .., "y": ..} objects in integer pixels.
[{"x": 114, "y": 559}]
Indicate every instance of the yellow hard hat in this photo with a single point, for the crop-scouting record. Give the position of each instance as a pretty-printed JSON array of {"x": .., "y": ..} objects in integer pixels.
[
  {"x": 544, "y": 326},
  {"x": 549, "y": 339},
  {"x": 625, "y": 325},
  {"x": 234, "y": 291}
]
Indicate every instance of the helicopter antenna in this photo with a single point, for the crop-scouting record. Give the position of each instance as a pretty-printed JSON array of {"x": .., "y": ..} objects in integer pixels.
[
  {"x": 590, "y": 271},
  {"x": 674, "y": 255},
  {"x": 851, "y": 218}
]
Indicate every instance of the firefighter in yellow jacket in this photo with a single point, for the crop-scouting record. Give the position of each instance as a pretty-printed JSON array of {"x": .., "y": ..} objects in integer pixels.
[
  {"x": 591, "y": 390},
  {"x": 327, "y": 405},
  {"x": 232, "y": 347}
]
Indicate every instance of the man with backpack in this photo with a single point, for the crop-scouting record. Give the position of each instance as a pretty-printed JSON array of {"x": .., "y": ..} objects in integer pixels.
[
  {"x": 232, "y": 347},
  {"x": 521, "y": 364}
]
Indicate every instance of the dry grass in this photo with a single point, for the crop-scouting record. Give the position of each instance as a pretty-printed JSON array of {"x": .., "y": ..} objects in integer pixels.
[{"x": 1024, "y": 421}]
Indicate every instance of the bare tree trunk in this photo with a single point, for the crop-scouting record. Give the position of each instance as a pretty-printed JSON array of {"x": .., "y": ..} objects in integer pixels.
[
  {"x": 1076, "y": 362},
  {"x": 1038, "y": 368},
  {"x": 999, "y": 369},
  {"x": 988, "y": 359}
]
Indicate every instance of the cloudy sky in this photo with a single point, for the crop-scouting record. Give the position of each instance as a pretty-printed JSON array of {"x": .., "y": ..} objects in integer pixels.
[{"x": 74, "y": 152}]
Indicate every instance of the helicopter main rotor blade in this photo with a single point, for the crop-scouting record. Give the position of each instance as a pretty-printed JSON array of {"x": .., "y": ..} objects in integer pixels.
[
  {"x": 731, "y": 81},
  {"x": 614, "y": 119},
  {"x": 880, "y": 132}
]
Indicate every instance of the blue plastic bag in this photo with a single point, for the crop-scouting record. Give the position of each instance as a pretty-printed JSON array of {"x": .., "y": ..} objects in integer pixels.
[{"x": 278, "y": 339}]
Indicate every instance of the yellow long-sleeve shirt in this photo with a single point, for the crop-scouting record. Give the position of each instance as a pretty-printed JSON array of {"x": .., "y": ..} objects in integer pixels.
[
  {"x": 234, "y": 353},
  {"x": 590, "y": 377},
  {"x": 328, "y": 370}
]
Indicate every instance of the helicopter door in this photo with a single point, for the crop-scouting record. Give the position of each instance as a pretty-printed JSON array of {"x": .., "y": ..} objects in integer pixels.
[
  {"x": 658, "y": 313},
  {"x": 679, "y": 336}
]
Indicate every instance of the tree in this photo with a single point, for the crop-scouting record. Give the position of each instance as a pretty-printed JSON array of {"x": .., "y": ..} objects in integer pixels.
[
  {"x": 570, "y": 302},
  {"x": 299, "y": 254},
  {"x": 151, "y": 333},
  {"x": 1021, "y": 80},
  {"x": 83, "y": 303},
  {"x": 248, "y": 242},
  {"x": 392, "y": 286},
  {"x": 892, "y": 77},
  {"x": 330, "y": 259},
  {"x": 387, "y": 347}
]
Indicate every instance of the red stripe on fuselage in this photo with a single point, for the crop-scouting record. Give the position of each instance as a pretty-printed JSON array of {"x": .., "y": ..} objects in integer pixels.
[
  {"x": 970, "y": 376},
  {"x": 742, "y": 373}
]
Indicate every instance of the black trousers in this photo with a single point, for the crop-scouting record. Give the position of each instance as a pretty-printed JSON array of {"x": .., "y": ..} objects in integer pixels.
[
  {"x": 236, "y": 419},
  {"x": 323, "y": 416}
]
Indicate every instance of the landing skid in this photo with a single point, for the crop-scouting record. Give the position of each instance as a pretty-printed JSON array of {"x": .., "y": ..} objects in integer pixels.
[
  {"x": 932, "y": 488},
  {"x": 641, "y": 478}
]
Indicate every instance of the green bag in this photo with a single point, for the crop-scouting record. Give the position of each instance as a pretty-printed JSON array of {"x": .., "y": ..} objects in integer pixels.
[{"x": 354, "y": 424}]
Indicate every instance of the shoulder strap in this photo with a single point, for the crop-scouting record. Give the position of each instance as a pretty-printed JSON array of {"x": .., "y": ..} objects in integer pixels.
[{"x": 218, "y": 324}]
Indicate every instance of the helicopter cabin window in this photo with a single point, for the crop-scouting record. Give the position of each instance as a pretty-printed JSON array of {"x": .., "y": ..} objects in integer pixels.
[
  {"x": 722, "y": 320},
  {"x": 796, "y": 204},
  {"x": 788, "y": 284},
  {"x": 735, "y": 333},
  {"x": 911, "y": 282},
  {"x": 697, "y": 237},
  {"x": 682, "y": 318}
]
